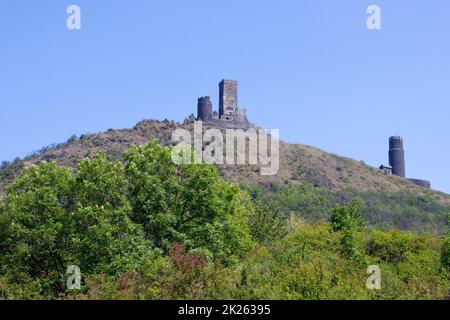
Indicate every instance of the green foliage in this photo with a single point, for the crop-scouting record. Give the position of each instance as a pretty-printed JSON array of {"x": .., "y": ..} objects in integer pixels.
[
  {"x": 35, "y": 224},
  {"x": 188, "y": 204},
  {"x": 107, "y": 219},
  {"x": 53, "y": 219},
  {"x": 11, "y": 290},
  {"x": 99, "y": 182},
  {"x": 349, "y": 222},
  {"x": 410, "y": 265},
  {"x": 405, "y": 211},
  {"x": 392, "y": 246},
  {"x": 150, "y": 229},
  {"x": 445, "y": 256},
  {"x": 307, "y": 264},
  {"x": 346, "y": 217},
  {"x": 8, "y": 170},
  {"x": 267, "y": 224},
  {"x": 304, "y": 200},
  {"x": 106, "y": 241}
]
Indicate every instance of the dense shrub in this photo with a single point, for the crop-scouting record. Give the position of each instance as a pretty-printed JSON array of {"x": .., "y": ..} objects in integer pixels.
[
  {"x": 384, "y": 210},
  {"x": 267, "y": 223},
  {"x": 107, "y": 219},
  {"x": 445, "y": 256}
]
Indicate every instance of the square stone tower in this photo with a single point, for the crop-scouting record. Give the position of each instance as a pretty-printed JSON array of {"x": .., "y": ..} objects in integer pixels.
[{"x": 228, "y": 99}]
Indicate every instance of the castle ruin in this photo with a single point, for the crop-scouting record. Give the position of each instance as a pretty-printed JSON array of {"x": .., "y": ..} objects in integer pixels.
[
  {"x": 229, "y": 113},
  {"x": 231, "y": 116},
  {"x": 397, "y": 162}
]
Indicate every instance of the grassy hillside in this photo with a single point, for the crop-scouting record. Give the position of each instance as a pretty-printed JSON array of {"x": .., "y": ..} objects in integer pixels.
[
  {"x": 326, "y": 179},
  {"x": 146, "y": 228}
]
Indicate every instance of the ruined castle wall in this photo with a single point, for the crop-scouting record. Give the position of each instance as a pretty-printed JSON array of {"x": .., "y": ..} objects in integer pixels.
[
  {"x": 241, "y": 116},
  {"x": 423, "y": 183},
  {"x": 229, "y": 116}
]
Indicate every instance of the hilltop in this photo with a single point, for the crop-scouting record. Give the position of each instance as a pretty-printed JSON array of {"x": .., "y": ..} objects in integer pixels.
[{"x": 309, "y": 182}]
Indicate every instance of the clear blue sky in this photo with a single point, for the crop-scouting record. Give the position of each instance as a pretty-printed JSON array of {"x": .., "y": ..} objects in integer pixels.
[{"x": 310, "y": 68}]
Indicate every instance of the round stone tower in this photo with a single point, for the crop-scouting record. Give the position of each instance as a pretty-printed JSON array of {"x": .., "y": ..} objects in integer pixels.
[
  {"x": 397, "y": 156},
  {"x": 204, "y": 109}
]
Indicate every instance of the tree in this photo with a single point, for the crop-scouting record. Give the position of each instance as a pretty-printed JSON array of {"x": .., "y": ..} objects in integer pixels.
[
  {"x": 346, "y": 217},
  {"x": 188, "y": 204},
  {"x": 267, "y": 223},
  {"x": 99, "y": 182},
  {"x": 53, "y": 218},
  {"x": 347, "y": 220},
  {"x": 445, "y": 255},
  {"x": 154, "y": 193},
  {"x": 104, "y": 238},
  {"x": 35, "y": 224},
  {"x": 105, "y": 241}
]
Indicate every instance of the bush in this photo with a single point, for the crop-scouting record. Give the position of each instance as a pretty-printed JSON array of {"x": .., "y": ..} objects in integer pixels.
[
  {"x": 392, "y": 246},
  {"x": 348, "y": 221},
  {"x": 445, "y": 256},
  {"x": 267, "y": 223}
]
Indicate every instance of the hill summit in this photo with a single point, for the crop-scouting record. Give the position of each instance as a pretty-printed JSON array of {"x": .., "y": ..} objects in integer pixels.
[{"x": 309, "y": 182}]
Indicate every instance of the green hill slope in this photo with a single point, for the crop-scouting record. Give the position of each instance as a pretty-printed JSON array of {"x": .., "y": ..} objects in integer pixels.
[{"x": 309, "y": 183}]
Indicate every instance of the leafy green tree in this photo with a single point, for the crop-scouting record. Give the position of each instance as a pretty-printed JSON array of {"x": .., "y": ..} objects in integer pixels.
[
  {"x": 53, "y": 219},
  {"x": 106, "y": 241},
  {"x": 391, "y": 246},
  {"x": 154, "y": 193},
  {"x": 445, "y": 252},
  {"x": 3, "y": 237},
  {"x": 99, "y": 182},
  {"x": 187, "y": 204},
  {"x": 35, "y": 224},
  {"x": 346, "y": 217}
]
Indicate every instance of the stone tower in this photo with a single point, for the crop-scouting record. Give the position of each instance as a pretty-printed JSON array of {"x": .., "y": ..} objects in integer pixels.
[
  {"x": 229, "y": 115},
  {"x": 204, "y": 109},
  {"x": 228, "y": 99},
  {"x": 397, "y": 156}
]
